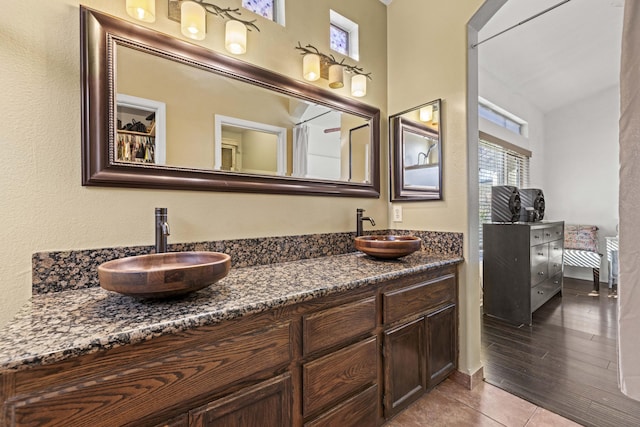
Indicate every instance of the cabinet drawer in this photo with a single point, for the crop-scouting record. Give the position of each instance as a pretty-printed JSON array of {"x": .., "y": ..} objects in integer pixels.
[
  {"x": 544, "y": 291},
  {"x": 418, "y": 298},
  {"x": 361, "y": 410},
  {"x": 338, "y": 325},
  {"x": 267, "y": 404},
  {"x": 555, "y": 266},
  {"x": 332, "y": 378},
  {"x": 160, "y": 382},
  {"x": 537, "y": 236},
  {"x": 539, "y": 262},
  {"x": 554, "y": 233},
  {"x": 556, "y": 250}
]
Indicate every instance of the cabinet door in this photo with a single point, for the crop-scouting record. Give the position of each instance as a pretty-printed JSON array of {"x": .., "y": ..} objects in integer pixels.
[
  {"x": 267, "y": 404},
  {"x": 404, "y": 366},
  {"x": 442, "y": 349}
]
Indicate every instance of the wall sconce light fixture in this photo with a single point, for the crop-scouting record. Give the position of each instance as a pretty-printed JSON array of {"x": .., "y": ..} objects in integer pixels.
[
  {"x": 142, "y": 10},
  {"x": 316, "y": 64},
  {"x": 192, "y": 15},
  {"x": 426, "y": 113},
  {"x": 311, "y": 67},
  {"x": 193, "y": 21},
  {"x": 235, "y": 37},
  {"x": 359, "y": 85},
  {"x": 336, "y": 76}
]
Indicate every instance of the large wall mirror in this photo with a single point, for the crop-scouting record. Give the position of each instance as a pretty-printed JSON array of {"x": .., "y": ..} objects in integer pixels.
[
  {"x": 159, "y": 112},
  {"x": 416, "y": 153}
]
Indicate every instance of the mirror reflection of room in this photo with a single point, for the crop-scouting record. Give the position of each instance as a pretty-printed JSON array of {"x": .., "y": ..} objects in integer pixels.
[{"x": 278, "y": 136}]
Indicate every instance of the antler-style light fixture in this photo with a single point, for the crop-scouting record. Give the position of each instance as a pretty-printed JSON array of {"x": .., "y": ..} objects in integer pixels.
[
  {"x": 192, "y": 15},
  {"x": 316, "y": 64}
]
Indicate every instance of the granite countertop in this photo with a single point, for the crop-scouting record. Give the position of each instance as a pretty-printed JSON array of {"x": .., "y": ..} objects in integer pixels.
[{"x": 62, "y": 325}]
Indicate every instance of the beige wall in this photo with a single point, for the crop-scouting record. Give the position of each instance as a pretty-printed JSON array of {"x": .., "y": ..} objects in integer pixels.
[
  {"x": 44, "y": 207},
  {"x": 427, "y": 58}
]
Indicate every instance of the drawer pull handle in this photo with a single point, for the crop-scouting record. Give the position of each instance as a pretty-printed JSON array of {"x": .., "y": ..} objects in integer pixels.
[
  {"x": 556, "y": 282},
  {"x": 547, "y": 234},
  {"x": 540, "y": 253},
  {"x": 541, "y": 292},
  {"x": 540, "y": 273},
  {"x": 536, "y": 237}
]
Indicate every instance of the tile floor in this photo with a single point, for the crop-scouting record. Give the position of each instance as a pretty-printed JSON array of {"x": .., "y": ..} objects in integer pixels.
[{"x": 451, "y": 404}]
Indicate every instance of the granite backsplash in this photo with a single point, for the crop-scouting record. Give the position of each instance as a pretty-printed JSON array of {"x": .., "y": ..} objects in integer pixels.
[{"x": 66, "y": 270}]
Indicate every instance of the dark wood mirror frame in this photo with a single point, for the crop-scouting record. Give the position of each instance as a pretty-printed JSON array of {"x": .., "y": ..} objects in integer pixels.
[
  {"x": 99, "y": 35},
  {"x": 397, "y": 126}
]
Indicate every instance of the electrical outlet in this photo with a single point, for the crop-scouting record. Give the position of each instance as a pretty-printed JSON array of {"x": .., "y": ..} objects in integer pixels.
[{"x": 397, "y": 214}]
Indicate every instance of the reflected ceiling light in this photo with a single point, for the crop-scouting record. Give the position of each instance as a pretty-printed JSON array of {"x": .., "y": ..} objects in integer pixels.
[
  {"x": 193, "y": 20},
  {"x": 316, "y": 64},
  {"x": 336, "y": 76},
  {"x": 142, "y": 10},
  {"x": 311, "y": 67},
  {"x": 235, "y": 39},
  {"x": 436, "y": 117},
  {"x": 359, "y": 85},
  {"x": 426, "y": 113}
]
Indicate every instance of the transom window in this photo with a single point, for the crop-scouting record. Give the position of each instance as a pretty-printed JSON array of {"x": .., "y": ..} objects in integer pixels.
[
  {"x": 339, "y": 39},
  {"x": 269, "y": 9},
  {"x": 502, "y": 118},
  {"x": 343, "y": 35}
]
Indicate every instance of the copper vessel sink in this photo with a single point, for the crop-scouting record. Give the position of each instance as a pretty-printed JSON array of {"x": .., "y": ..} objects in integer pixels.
[
  {"x": 388, "y": 246},
  {"x": 163, "y": 275}
]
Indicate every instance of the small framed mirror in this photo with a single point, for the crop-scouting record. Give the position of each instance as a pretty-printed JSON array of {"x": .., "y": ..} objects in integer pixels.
[{"x": 416, "y": 153}]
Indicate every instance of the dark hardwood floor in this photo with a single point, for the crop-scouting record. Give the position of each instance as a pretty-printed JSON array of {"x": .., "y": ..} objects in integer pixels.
[{"x": 566, "y": 362}]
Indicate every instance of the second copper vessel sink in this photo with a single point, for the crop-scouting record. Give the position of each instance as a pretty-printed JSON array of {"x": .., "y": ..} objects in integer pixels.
[
  {"x": 165, "y": 274},
  {"x": 388, "y": 246}
]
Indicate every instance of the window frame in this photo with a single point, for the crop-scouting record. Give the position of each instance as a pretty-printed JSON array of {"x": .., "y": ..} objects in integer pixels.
[
  {"x": 278, "y": 11},
  {"x": 352, "y": 30}
]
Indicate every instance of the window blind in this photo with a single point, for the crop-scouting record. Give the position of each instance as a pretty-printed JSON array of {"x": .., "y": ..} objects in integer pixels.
[{"x": 499, "y": 164}]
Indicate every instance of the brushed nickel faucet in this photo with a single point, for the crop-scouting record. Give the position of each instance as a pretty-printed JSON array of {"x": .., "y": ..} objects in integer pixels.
[
  {"x": 162, "y": 230},
  {"x": 360, "y": 219}
]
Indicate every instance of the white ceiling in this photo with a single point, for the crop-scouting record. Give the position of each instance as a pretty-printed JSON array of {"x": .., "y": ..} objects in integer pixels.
[{"x": 558, "y": 58}]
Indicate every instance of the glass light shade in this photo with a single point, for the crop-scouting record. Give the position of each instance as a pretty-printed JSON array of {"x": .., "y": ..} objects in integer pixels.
[
  {"x": 235, "y": 37},
  {"x": 336, "y": 76},
  {"x": 311, "y": 67},
  {"x": 426, "y": 113},
  {"x": 359, "y": 85},
  {"x": 193, "y": 20},
  {"x": 142, "y": 10}
]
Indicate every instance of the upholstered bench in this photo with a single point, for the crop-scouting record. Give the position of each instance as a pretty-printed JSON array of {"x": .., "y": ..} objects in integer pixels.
[{"x": 581, "y": 250}]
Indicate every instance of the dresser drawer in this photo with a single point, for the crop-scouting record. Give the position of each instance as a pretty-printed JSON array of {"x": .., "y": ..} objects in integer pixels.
[
  {"x": 556, "y": 248},
  {"x": 555, "y": 266},
  {"x": 544, "y": 291},
  {"x": 537, "y": 236},
  {"x": 418, "y": 298},
  {"x": 332, "y": 378},
  {"x": 539, "y": 261},
  {"x": 554, "y": 233},
  {"x": 338, "y": 325}
]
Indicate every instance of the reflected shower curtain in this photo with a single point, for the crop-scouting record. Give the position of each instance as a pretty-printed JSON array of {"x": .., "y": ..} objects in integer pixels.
[
  {"x": 629, "y": 286},
  {"x": 300, "y": 150}
]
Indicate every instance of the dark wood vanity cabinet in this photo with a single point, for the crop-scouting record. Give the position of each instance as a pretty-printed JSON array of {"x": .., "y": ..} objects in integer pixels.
[
  {"x": 420, "y": 338},
  {"x": 354, "y": 358}
]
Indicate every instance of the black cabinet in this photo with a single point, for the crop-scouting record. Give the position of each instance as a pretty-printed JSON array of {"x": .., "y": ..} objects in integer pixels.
[{"x": 522, "y": 268}]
